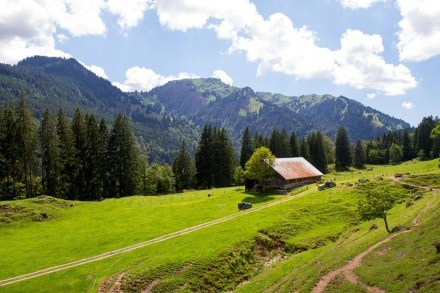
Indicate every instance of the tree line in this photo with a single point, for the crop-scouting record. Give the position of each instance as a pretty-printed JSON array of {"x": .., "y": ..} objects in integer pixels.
[
  {"x": 83, "y": 159},
  {"x": 75, "y": 159}
]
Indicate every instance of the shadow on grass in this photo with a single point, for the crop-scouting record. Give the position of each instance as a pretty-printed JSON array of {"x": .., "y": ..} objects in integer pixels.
[{"x": 256, "y": 198}]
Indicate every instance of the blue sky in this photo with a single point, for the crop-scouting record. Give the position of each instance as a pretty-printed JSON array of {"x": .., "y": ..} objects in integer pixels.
[{"x": 383, "y": 53}]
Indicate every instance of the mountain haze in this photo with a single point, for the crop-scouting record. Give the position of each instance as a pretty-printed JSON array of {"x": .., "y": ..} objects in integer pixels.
[{"x": 178, "y": 110}]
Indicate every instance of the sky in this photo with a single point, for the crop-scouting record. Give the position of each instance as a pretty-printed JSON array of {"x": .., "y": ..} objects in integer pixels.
[{"x": 382, "y": 53}]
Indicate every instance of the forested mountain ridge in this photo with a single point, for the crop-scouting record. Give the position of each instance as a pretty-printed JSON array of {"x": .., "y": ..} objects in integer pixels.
[
  {"x": 211, "y": 101},
  {"x": 178, "y": 110}
]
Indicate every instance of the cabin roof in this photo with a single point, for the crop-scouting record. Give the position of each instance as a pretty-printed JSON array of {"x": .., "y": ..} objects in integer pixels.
[{"x": 295, "y": 168}]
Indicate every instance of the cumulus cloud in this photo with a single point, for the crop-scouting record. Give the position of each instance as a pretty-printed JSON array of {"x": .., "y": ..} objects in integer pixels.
[
  {"x": 145, "y": 79},
  {"x": 31, "y": 27},
  {"x": 408, "y": 105},
  {"x": 359, "y": 64},
  {"x": 130, "y": 12},
  {"x": 419, "y": 33},
  {"x": 357, "y": 4},
  {"x": 99, "y": 71},
  {"x": 277, "y": 45},
  {"x": 223, "y": 76}
]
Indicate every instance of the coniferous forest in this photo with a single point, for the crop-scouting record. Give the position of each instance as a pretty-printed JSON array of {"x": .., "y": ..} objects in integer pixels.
[{"x": 81, "y": 158}]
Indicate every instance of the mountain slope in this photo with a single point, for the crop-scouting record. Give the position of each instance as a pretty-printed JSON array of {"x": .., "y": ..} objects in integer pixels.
[{"x": 178, "y": 110}]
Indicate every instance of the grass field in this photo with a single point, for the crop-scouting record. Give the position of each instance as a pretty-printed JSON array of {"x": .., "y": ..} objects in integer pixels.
[{"x": 285, "y": 247}]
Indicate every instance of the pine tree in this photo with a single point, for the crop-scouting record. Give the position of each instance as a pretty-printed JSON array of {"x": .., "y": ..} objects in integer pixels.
[
  {"x": 358, "y": 156},
  {"x": 294, "y": 149},
  {"x": 122, "y": 159},
  {"x": 247, "y": 147},
  {"x": 102, "y": 159},
  {"x": 343, "y": 151},
  {"x": 184, "y": 169},
  {"x": 50, "y": 155},
  {"x": 79, "y": 134},
  {"x": 68, "y": 155},
  {"x": 423, "y": 141},
  {"x": 204, "y": 161},
  {"x": 10, "y": 152},
  {"x": 223, "y": 160},
  {"x": 407, "y": 151},
  {"x": 91, "y": 169},
  {"x": 27, "y": 141},
  {"x": 304, "y": 149}
]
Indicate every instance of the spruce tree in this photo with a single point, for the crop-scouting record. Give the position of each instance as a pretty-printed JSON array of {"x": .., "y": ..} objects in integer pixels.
[
  {"x": 27, "y": 141},
  {"x": 358, "y": 156},
  {"x": 50, "y": 155},
  {"x": 122, "y": 158},
  {"x": 343, "y": 151},
  {"x": 223, "y": 160},
  {"x": 407, "y": 151},
  {"x": 204, "y": 161},
  {"x": 294, "y": 149},
  {"x": 423, "y": 141},
  {"x": 10, "y": 152},
  {"x": 247, "y": 147},
  {"x": 79, "y": 133},
  {"x": 102, "y": 159},
  {"x": 184, "y": 169},
  {"x": 91, "y": 169},
  {"x": 68, "y": 155}
]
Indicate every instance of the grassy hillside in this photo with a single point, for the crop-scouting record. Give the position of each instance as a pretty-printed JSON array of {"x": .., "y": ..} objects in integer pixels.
[{"x": 286, "y": 246}]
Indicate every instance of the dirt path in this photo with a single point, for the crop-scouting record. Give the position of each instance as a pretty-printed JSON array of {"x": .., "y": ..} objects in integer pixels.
[
  {"x": 162, "y": 238},
  {"x": 348, "y": 270}
]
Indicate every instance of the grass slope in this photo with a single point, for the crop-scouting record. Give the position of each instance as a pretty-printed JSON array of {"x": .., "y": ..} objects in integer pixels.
[{"x": 285, "y": 247}]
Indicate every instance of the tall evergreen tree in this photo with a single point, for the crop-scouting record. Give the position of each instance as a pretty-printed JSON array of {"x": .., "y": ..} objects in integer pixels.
[
  {"x": 10, "y": 152},
  {"x": 294, "y": 149},
  {"x": 68, "y": 156},
  {"x": 359, "y": 156},
  {"x": 304, "y": 149},
  {"x": 91, "y": 167},
  {"x": 27, "y": 141},
  {"x": 423, "y": 141},
  {"x": 343, "y": 151},
  {"x": 223, "y": 161},
  {"x": 122, "y": 158},
  {"x": 247, "y": 147},
  {"x": 50, "y": 155},
  {"x": 279, "y": 144},
  {"x": 102, "y": 149},
  {"x": 184, "y": 169},
  {"x": 407, "y": 151},
  {"x": 204, "y": 161},
  {"x": 79, "y": 133}
]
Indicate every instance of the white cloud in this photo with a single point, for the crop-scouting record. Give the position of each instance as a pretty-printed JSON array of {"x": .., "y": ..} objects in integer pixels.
[
  {"x": 357, "y": 4},
  {"x": 223, "y": 76},
  {"x": 145, "y": 79},
  {"x": 371, "y": 95},
  {"x": 99, "y": 71},
  {"x": 419, "y": 33},
  {"x": 79, "y": 17},
  {"x": 29, "y": 27},
  {"x": 359, "y": 64},
  {"x": 277, "y": 45},
  {"x": 130, "y": 12},
  {"x": 408, "y": 105}
]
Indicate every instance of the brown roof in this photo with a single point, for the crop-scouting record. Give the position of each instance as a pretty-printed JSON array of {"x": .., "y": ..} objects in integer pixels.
[{"x": 295, "y": 168}]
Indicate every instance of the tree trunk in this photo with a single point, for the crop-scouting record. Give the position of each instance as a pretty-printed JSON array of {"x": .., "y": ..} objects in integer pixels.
[{"x": 386, "y": 224}]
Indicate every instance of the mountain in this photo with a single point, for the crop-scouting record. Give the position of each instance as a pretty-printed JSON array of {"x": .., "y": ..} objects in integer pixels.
[
  {"x": 178, "y": 110},
  {"x": 211, "y": 101}
]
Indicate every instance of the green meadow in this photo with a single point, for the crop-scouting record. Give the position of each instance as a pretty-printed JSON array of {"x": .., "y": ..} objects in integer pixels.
[{"x": 283, "y": 247}]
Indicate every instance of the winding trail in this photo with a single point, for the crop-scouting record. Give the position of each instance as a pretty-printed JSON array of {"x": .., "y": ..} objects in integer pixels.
[
  {"x": 348, "y": 270},
  {"x": 162, "y": 238}
]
